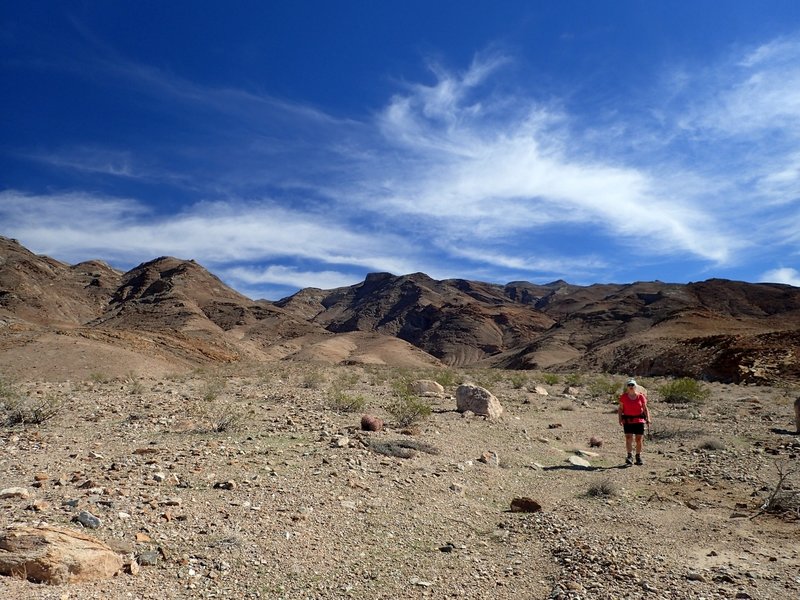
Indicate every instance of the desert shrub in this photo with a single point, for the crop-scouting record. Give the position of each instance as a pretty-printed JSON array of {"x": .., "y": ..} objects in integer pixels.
[
  {"x": 446, "y": 378},
  {"x": 7, "y": 389},
  {"x": 604, "y": 488},
  {"x": 98, "y": 377},
  {"x": 220, "y": 417},
  {"x": 408, "y": 409},
  {"x": 784, "y": 500},
  {"x": 313, "y": 380},
  {"x": 711, "y": 444},
  {"x": 574, "y": 379},
  {"x": 684, "y": 390},
  {"x": 23, "y": 410},
  {"x": 212, "y": 388},
  {"x": 401, "y": 448},
  {"x": 665, "y": 433},
  {"x": 135, "y": 386},
  {"x": 348, "y": 379},
  {"x": 518, "y": 380},
  {"x": 550, "y": 378},
  {"x": 341, "y": 401},
  {"x": 605, "y": 389}
]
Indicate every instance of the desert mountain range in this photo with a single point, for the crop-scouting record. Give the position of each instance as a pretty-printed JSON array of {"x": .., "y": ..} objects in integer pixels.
[{"x": 61, "y": 321}]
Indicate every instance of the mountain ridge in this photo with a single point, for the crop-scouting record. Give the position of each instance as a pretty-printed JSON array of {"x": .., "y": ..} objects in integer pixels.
[{"x": 715, "y": 329}]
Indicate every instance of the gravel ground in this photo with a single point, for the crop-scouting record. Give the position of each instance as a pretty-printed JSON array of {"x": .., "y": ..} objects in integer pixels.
[{"x": 252, "y": 485}]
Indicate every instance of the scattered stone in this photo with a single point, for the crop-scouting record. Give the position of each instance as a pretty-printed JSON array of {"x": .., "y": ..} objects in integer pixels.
[
  {"x": 371, "y": 423},
  {"x": 478, "y": 400},
  {"x": 88, "y": 520},
  {"x": 148, "y": 559},
  {"x": 225, "y": 485},
  {"x": 595, "y": 442},
  {"x": 341, "y": 441},
  {"x": 581, "y": 463},
  {"x": 15, "y": 492},
  {"x": 695, "y": 576},
  {"x": 541, "y": 391},
  {"x": 555, "y": 426},
  {"x": 38, "y": 505},
  {"x": 490, "y": 458},
  {"x": 457, "y": 489},
  {"x": 571, "y": 391},
  {"x": 56, "y": 556},
  {"x": 143, "y": 537},
  {"x": 159, "y": 476},
  {"x": 527, "y": 505}
]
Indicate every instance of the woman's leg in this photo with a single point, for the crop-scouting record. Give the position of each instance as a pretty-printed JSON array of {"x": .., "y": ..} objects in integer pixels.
[
  {"x": 638, "y": 444},
  {"x": 629, "y": 442}
]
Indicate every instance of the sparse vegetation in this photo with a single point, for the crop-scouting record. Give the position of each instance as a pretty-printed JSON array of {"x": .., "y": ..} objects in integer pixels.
[
  {"x": 135, "y": 385},
  {"x": 604, "y": 488},
  {"x": 408, "y": 408},
  {"x": 606, "y": 389},
  {"x": 518, "y": 380},
  {"x": 344, "y": 402},
  {"x": 711, "y": 444},
  {"x": 550, "y": 378},
  {"x": 446, "y": 378},
  {"x": 401, "y": 448},
  {"x": 313, "y": 380},
  {"x": 220, "y": 417},
  {"x": 784, "y": 500},
  {"x": 24, "y": 410},
  {"x": 665, "y": 433},
  {"x": 684, "y": 390},
  {"x": 212, "y": 388},
  {"x": 574, "y": 379}
]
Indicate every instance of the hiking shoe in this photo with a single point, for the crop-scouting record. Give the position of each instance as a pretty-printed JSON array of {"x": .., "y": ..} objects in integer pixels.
[
  {"x": 629, "y": 460},
  {"x": 639, "y": 460}
]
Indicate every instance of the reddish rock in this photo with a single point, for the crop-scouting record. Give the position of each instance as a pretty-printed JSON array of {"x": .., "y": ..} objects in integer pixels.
[
  {"x": 528, "y": 505},
  {"x": 595, "y": 442},
  {"x": 371, "y": 423}
]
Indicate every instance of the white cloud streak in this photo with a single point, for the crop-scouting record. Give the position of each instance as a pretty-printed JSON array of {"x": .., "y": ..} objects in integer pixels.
[
  {"x": 782, "y": 275},
  {"x": 445, "y": 173}
]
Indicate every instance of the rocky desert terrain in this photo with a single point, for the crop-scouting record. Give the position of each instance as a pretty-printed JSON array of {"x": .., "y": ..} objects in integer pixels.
[
  {"x": 257, "y": 481},
  {"x": 188, "y": 442}
]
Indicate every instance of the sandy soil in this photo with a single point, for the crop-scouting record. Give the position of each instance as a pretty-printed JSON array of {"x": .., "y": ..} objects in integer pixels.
[{"x": 251, "y": 482}]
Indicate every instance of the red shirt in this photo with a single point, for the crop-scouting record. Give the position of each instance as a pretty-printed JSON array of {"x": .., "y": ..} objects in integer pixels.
[{"x": 634, "y": 407}]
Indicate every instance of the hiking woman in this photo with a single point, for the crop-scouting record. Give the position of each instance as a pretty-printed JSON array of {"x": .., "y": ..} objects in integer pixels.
[{"x": 633, "y": 414}]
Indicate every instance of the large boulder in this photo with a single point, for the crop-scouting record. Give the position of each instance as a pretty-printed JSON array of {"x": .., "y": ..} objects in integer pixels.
[
  {"x": 477, "y": 400},
  {"x": 427, "y": 387},
  {"x": 47, "y": 554}
]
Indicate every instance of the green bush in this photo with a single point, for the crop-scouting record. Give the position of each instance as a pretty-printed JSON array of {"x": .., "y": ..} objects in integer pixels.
[
  {"x": 518, "y": 380},
  {"x": 606, "y": 389},
  {"x": 550, "y": 378},
  {"x": 573, "y": 379},
  {"x": 408, "y": 409},
  {"x": 341, "y": 401},
  {"x": 605, "y": 488},
  {"x": 684, "y": 390},
  {"x": 446, "y": 378}
]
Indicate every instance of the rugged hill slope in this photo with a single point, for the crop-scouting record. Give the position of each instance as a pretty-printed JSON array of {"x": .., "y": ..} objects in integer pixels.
[{"x": 176, "y": 312}]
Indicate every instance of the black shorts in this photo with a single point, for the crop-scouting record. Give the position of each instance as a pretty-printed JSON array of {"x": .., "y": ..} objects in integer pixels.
[{"x": 635, "y": 428}]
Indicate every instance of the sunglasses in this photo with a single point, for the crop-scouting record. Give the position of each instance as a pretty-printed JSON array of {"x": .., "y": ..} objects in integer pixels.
[{"x": 631, "y": 385}]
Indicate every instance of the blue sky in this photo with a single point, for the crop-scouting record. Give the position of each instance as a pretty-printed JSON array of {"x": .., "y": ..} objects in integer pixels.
[{"x": 304, "y": 144}]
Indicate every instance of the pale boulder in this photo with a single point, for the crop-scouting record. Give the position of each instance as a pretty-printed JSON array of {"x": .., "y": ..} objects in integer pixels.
[
  {"x": 55, "y": 555},
  {"x": 427, "y": 387},
  {"x": 477, "y": 400}
]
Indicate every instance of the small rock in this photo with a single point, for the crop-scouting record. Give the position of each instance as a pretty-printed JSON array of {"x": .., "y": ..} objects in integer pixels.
[
  {"x": 528, "y": 505},
  {"x": 15, "y": 492},
  {"x": 555, "y": 426},
  {"x": 541, "y": 391},
  {"x": 457, "y": 488},
  {"x": 490, "y": 458},
  {"x": 695, "y": 576},
  {"x": 581, "y": 463},
  {"x": 159, "y": 476},
  {"x": 225, "y": 485},
  {"x": 88, "y": 520},
  {"x": 148, "y": 559},
  {"x": 595, "y": 442}
]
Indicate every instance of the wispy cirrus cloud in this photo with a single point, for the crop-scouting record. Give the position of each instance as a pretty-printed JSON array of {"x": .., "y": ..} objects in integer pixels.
[{"x": 454, "y": 177}]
